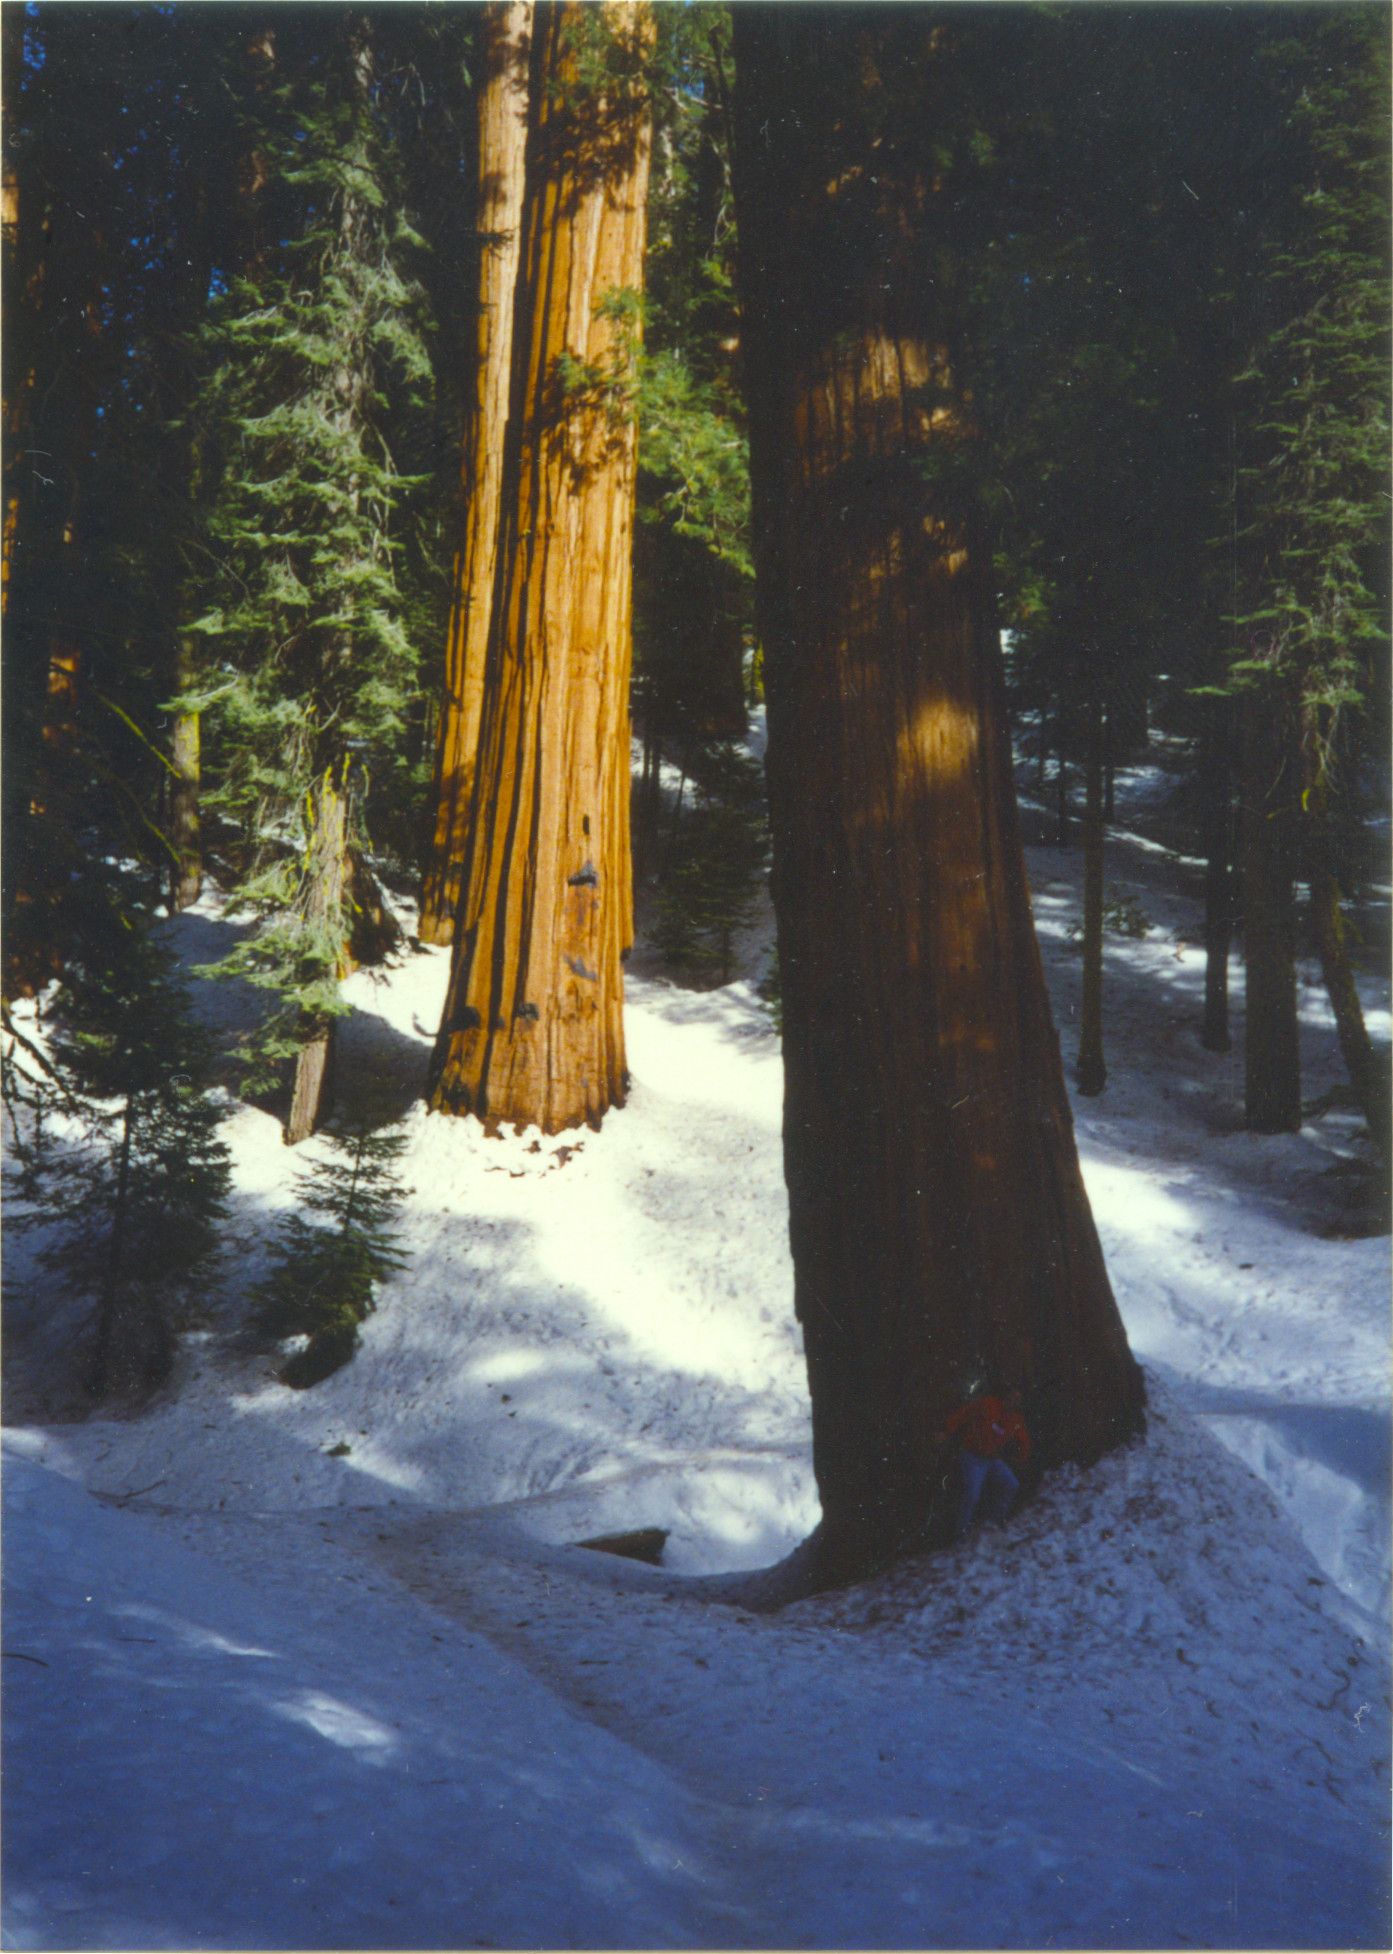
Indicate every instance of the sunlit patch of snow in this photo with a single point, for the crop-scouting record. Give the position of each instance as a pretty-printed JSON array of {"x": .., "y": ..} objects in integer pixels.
[
  {"x": 1072, "y": 1731},
  {"x": 192, "y": 1634},
  {"x": 340, "y": 1724}
]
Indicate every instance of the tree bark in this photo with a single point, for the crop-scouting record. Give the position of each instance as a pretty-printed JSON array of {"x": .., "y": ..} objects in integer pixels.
[
  {"x": 1217, "y": 800},
  {"x": 1092, "y": 1074},
  {"x": 133, "y": 1350},
  {"x": 322, "y": 910},
  {"x": 1063, "y": 831},
  {"x": 937, "y": 1216},
  {"x": 1272, "y": 1066},
  {"x": 533, "y": 1025},
  {"x": 1109, "y": 766},
  {"x": 1367, "y": 1075},
  {"x": 185, "y": 819},
  {"x": 506, "y": 33}
]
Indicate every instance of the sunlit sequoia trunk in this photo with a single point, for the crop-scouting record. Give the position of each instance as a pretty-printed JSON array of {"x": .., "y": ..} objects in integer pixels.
[
  {"x": 938, "y": 1220},
  {"x": 506, "y": 32},
  {"x": 533, "y": 1024}
]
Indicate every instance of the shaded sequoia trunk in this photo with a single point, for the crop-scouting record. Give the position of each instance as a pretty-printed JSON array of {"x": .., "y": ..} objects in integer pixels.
[
  {"x": 533, "y": 1023},
  {"x": 506, "y": 31},
  {"x": 1216, "y": 791},
  {"x": 938, "y": 1221},
  {"x": 1266, "y": 816},
  {"x": 1092, "y": 1074},
  {"x": 1368, "y": 1075}
]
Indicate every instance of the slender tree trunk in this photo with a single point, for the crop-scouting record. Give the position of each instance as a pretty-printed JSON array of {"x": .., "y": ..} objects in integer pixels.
[
  {"x": 938, "y": 1221},
  {"x": 1109, "y": 767},
  {"x": 1063, "y": 831},
  {"x": 648, "y": 808},
  {"x": 185, "y": 820},
  {"x": 533, "y": 1024},
  {"x": 322, "y": 910},
  {"x": 18, "y": 383},
  {"x": 502, "y": 143},
  {"x": 104, "y": 1359},
  {"x": 133, "y": 1347},
  {"x": 1272, "y": 1067},
  {"x": 1092, "y": 1071},
  {"x": 1217, "y": 800},
  {"x": 1367, "y": 1074}
]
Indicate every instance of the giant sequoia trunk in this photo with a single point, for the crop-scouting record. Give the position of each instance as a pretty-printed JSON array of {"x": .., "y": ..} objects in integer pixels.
[
  {"x": 938, "y": 1221},
  {"x": 501, "y": 148},
  {"x": 1266, "y": 818},
  {"x": 533, "y": 1027}
]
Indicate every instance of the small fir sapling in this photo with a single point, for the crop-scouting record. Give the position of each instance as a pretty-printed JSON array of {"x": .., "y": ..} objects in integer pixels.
[
  {"x": 331, "y": 1254},
  {"x": 133, "y": 1180},
  {"x": 717, "y": 857}
]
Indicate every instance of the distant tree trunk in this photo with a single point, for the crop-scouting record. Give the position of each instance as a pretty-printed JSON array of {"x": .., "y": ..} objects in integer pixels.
[
  {"x": 1109, "y": 766},
  {"x": 506, "y": 31},
  {"x": 133, "y": 1348},
  {"x": 49, "y": 418},
  {"x": 18, "y": 375},
  {"x": 938, "y": 1221},
  {"x": 1092, "y": 1072},
  {"x": 1367, "y": 1075},
  {"x": 1217, "y": 803},
  {"x": 533, "y": 1024},
  {"x": 1063, "y": 831},
  {"x": 185, "y": 820},
  {"x": 322, "y": 909},
  {"x": 1272, "y": 1066},
  {"x": 649, "y": 806}
]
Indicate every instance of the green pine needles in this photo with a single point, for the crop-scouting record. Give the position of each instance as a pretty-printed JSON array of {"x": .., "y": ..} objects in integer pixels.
[
  {"x": 1312, "y": 504},
  {"x": 314, "y": 405},
  {"x": 116, "y": 1150},
  {"x": 333, "y": 1251},
  {"x": 717, "y": 857}
]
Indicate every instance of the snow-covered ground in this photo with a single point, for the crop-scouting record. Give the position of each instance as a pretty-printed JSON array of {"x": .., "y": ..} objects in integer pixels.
[{"x": 327, "y": 1668}]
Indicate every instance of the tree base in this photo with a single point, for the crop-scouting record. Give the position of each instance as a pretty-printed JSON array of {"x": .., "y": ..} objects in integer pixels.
[{"x": 134, "y": 1349}]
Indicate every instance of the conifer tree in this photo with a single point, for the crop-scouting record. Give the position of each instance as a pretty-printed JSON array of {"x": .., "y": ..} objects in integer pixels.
[
  {"x": 692, "y": 568},
  {"x": 318, "y": 374},
  {"x": 1309, "y": 551},
  {"x": 716, "y": 858},
  {"x": 116, "y": 1145},
  {"x": 333, "y": 1250}
]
